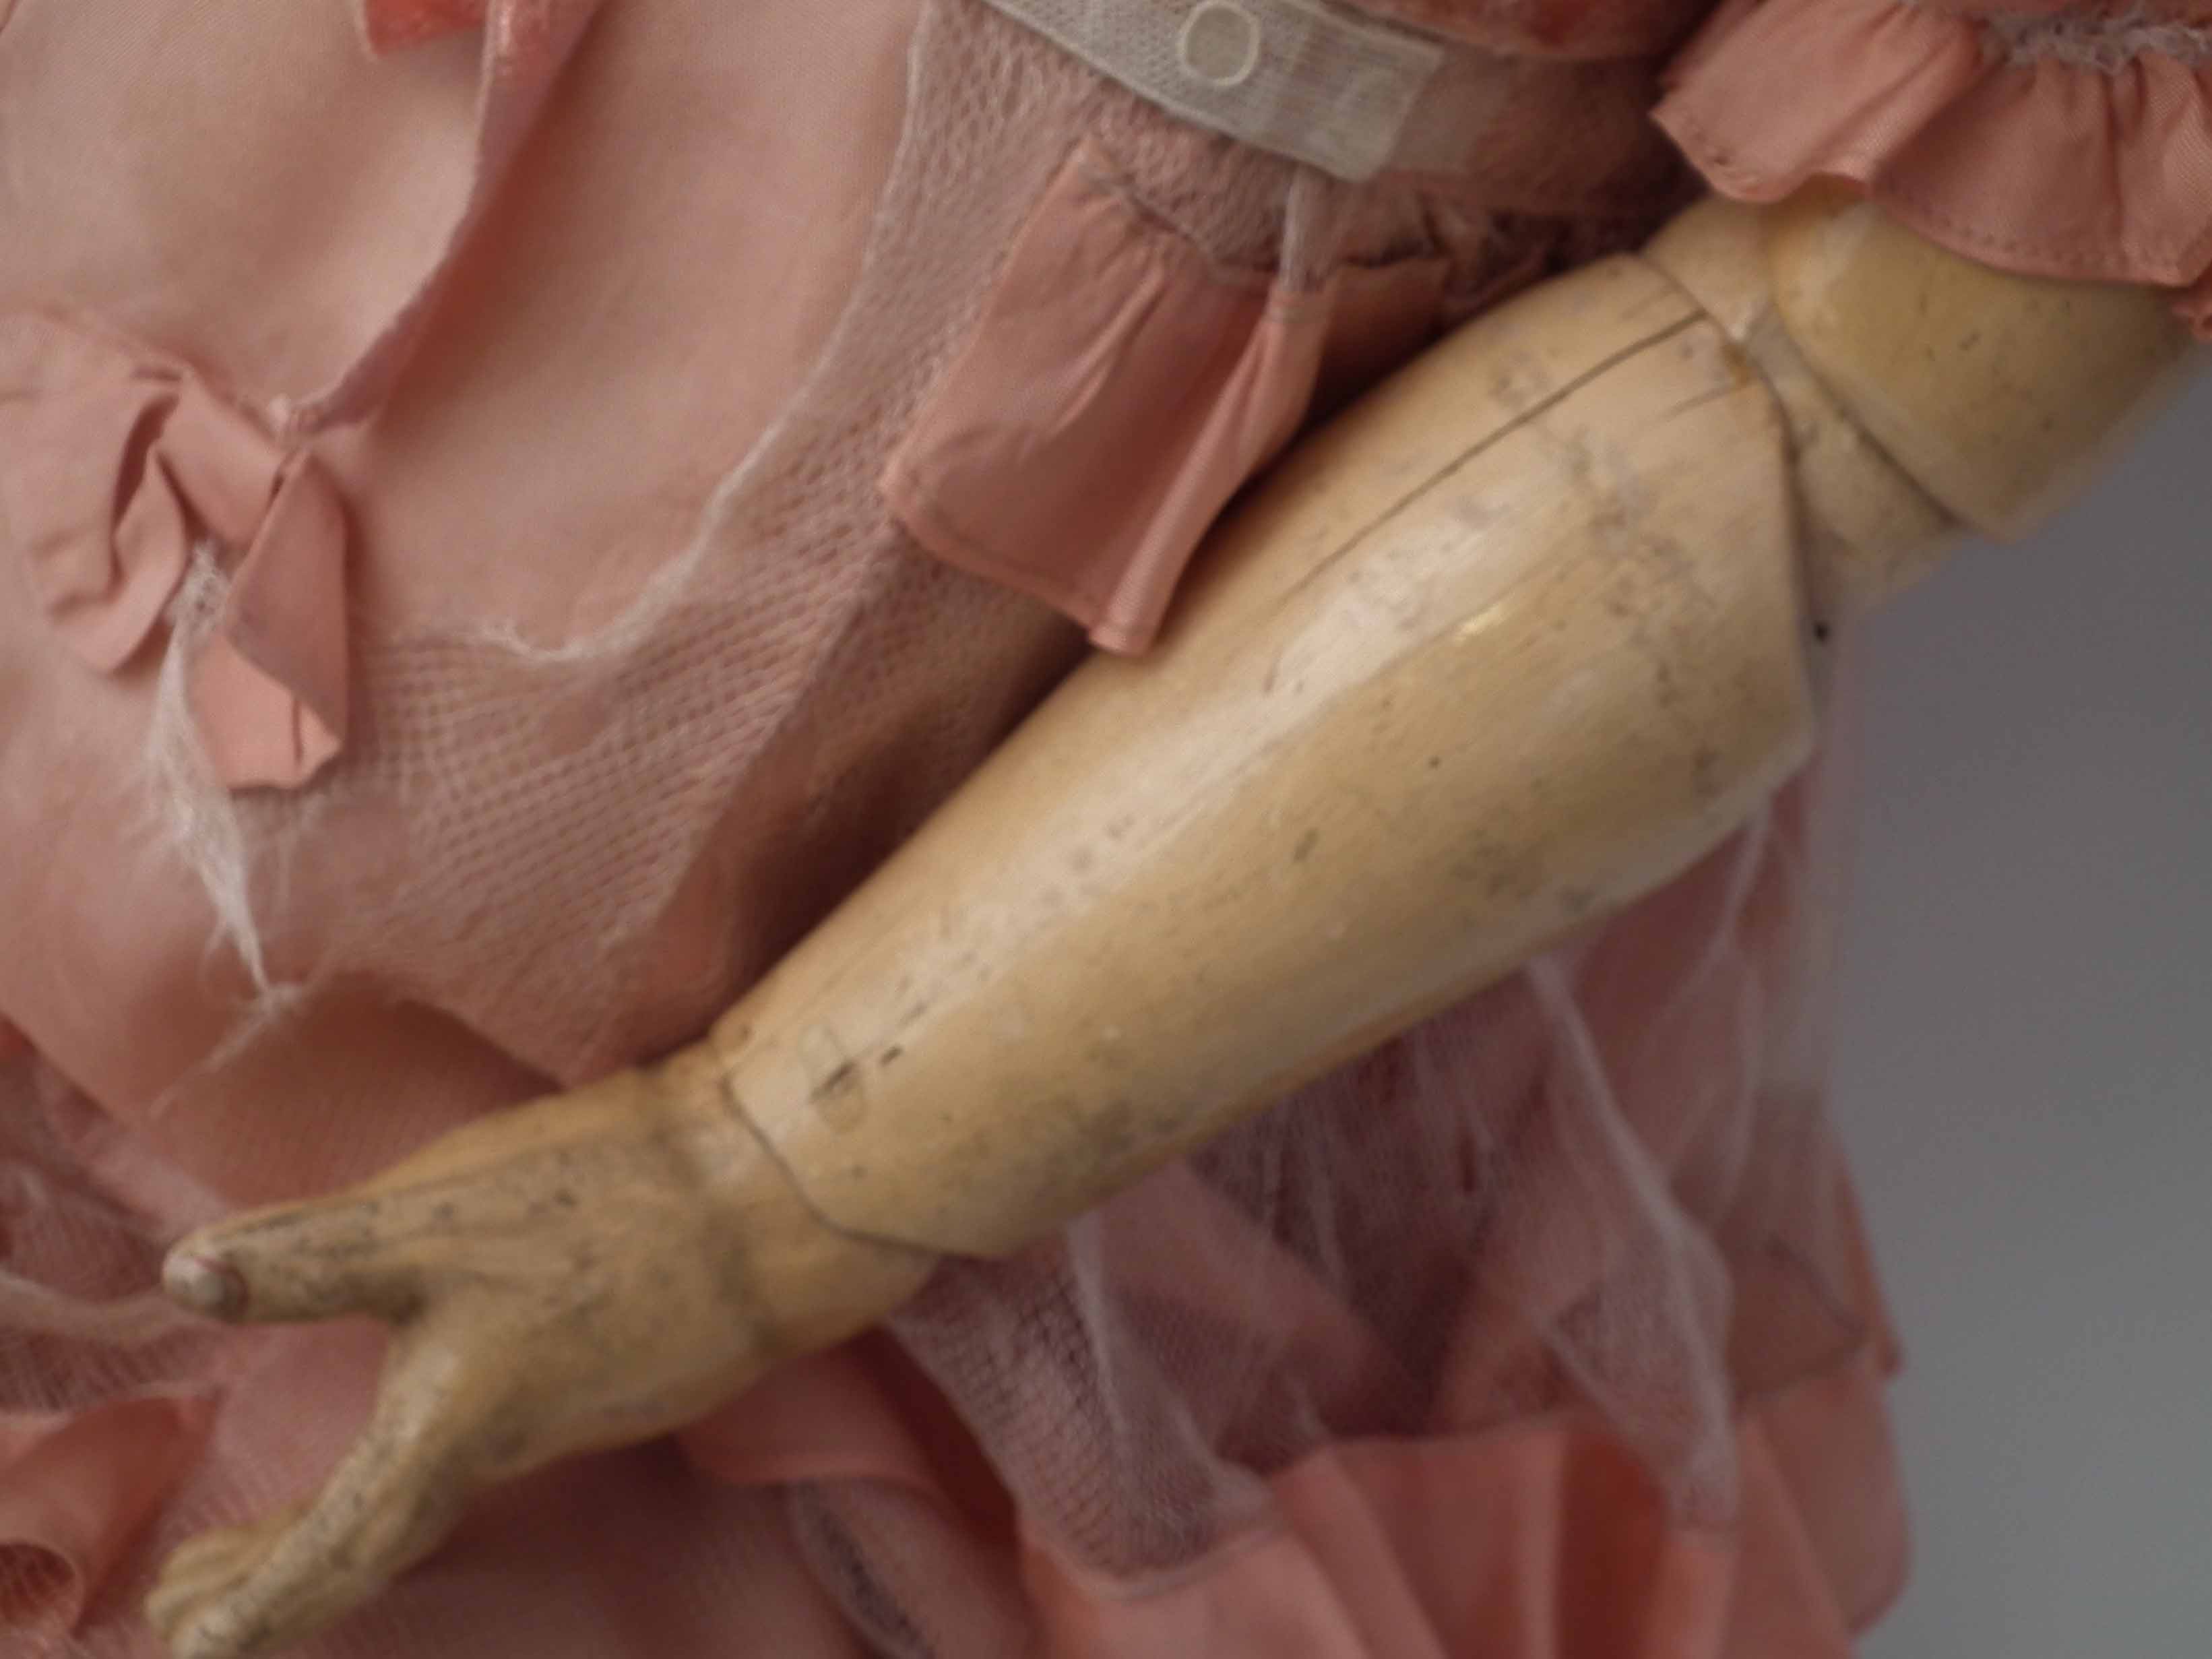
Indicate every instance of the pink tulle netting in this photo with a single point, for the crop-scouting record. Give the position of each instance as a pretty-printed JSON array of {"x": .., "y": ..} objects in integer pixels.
[
  {"x": 1545, "y": 1331},
  {"x": 2060, "y": 142}
]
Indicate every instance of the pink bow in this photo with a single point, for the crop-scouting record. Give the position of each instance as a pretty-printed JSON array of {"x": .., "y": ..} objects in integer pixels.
[{"x": 115, "y": 463}]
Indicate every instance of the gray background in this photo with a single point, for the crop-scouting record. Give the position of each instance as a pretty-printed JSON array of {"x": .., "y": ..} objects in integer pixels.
[{"x": 2024, "y": 1076}]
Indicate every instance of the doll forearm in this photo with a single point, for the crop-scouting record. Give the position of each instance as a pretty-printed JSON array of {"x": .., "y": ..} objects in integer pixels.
[{"x": 1510, "y": 643}]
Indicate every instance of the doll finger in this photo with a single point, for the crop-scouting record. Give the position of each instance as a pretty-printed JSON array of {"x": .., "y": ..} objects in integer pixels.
[
  {"x": 201, "y": 1566},
  {"x": 390, "y": 1501},
  {"x": 316, "y": 1260}
]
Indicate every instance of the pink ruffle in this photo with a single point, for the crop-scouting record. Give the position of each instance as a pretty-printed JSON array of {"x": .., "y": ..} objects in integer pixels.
[
  {"x": 1542, "y": 1539},
  {"x": 1118, "y": 382},
  {"x": 2038, "y": 162},
  {"x": 75, "y": 1490},
  {"x": 1122, "y": 381},
  {"x": 115, "y": 463}
]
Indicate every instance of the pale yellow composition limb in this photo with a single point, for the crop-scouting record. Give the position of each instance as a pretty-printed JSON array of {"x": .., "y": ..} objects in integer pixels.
[{"x": 1513, "y": 640}]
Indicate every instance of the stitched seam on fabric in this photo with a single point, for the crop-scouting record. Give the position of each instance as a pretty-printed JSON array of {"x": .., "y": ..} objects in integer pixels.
[
  {"x": 2179, "y": 262},
  {"x": 1712, "y": 156},
  {"x": 2080, "y": 257}
]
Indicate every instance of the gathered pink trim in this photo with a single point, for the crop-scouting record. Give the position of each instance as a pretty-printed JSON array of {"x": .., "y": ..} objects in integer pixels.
[
  {"x": 2049, "y": 162},
  {"x": 1539, "y": 1539},
  {"x": 1119, "y": 389}
]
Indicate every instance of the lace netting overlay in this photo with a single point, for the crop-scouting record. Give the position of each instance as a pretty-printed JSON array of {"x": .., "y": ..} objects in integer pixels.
[
  {"x": 1545, "y": 1330},
  {"x": 800, "y": 637}
]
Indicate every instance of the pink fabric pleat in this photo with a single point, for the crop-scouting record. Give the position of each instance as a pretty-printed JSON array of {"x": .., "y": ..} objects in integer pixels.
[
  {"x": 527, "y": 43},
  {"x": 76, "y": 1488},
  {"x": 1544, "y": 1539}
]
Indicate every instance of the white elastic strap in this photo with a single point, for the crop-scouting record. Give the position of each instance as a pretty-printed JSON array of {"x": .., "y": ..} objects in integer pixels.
[{"x": 1297, "y": 77}]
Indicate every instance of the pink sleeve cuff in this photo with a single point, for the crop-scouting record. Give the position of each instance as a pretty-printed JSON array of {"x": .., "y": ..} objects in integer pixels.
[{"x": 2037, "y": 139}]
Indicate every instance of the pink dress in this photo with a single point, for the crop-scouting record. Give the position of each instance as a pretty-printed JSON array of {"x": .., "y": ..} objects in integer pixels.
[{"x": 508, "y": 508}]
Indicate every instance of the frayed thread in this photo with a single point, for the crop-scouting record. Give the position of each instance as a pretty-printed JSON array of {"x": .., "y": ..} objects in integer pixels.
[
  {"x": 195, "y": 819},
  {"x": 25, "y": 1305},
  {"x": 193, "y": 814}
]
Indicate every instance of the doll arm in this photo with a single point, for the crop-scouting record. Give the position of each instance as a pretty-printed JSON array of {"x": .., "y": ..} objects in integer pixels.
[{"x": 1513, "y": 642}]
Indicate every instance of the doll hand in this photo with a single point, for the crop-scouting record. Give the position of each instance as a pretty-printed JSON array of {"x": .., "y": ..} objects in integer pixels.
[{"x": 589, "y": 1271}]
